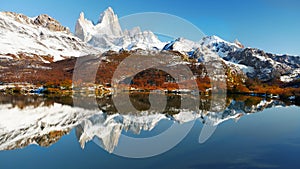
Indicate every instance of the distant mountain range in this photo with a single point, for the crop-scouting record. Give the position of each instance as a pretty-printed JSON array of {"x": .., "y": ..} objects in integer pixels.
[{"x": 43, "y": 42}]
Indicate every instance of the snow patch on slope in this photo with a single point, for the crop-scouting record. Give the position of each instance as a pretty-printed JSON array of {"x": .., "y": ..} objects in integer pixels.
[
  {"x": 294, "y": 75},
  {"x": 21, "y": 34},
  {"x": 244, "y": 68}
]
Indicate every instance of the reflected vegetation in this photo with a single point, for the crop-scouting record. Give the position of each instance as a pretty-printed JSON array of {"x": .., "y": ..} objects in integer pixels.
[{"x": 32, "y": 119}]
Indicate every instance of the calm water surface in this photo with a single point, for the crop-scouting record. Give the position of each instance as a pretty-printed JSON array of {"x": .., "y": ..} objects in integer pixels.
[{"x": 40, "y": 132}]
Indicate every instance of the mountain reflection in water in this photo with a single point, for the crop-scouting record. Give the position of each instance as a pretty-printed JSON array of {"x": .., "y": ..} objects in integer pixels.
[{"x": 26, "y": 120}]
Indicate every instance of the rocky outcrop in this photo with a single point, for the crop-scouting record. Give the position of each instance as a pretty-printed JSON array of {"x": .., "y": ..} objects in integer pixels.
[
  {"x": 264, "y": 67},
  {"x": 50, "y": 23},
  {"x": 107, "y": 34},
  {"x": 19, "y": 17},
  {"x": 42, "y": 20}
]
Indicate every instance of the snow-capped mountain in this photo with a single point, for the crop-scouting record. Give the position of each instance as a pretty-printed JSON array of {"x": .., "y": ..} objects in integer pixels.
[
  {"x": 252, "y": 62},
  {"x": 108, "y": 25},
  {"x": 182, "y": 45},
  {"x": 213, "y": 43},
  {"x": 41, "y": 38},
  {"x": 208, "y": 49},
  {"x": 108, "y": 35},
  {"x": 264, "y": 66}
]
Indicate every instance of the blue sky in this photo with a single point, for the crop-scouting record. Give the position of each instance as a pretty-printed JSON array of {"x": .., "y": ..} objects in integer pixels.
[{"x": 272, "y": 25}]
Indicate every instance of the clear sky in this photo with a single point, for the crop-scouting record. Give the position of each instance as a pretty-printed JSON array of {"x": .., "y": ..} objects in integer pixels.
[{"x": 272, "y": 25}]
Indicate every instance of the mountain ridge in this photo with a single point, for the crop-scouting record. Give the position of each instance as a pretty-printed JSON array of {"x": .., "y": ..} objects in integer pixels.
[
  {"x": 43, "y": 39},
  {"x": 107, "y": 34},
  {"x": 40, "y": 38}
]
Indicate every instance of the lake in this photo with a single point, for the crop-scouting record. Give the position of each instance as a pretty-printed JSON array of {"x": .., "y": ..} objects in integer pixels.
[{"x": 88, "y": 132}]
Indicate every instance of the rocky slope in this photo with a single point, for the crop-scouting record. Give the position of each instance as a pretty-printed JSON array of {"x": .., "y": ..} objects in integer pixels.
[
  {"x": 40, "y": 38},
  {"x": 252, "y": 62},
  {"x": 264, "y": 66}
]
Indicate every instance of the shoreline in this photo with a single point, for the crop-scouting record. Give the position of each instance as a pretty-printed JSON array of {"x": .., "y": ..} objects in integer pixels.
[{"x": 103, "y": 91}]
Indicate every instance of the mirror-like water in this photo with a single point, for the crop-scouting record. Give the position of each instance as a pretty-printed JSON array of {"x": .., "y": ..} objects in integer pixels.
[{"x": 50, "y": 132}]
